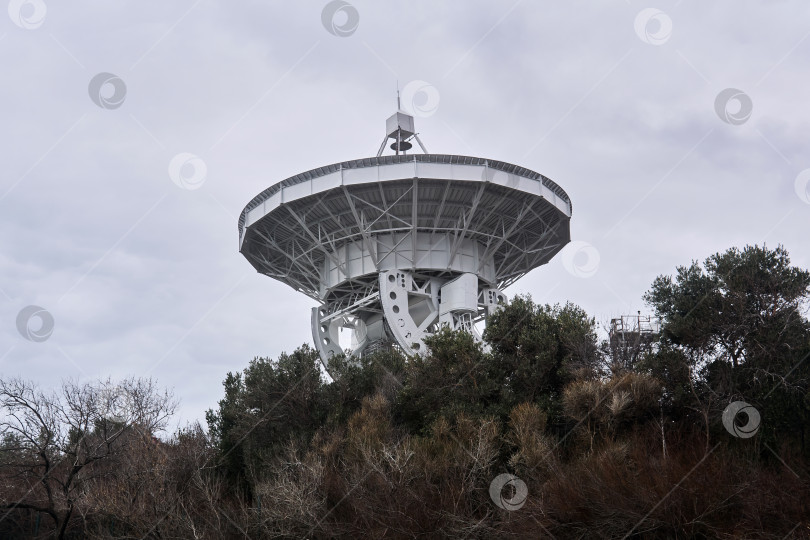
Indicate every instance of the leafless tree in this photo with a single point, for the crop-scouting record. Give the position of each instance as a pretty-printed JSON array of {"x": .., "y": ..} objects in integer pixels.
[{"x": 56, "y": 444}]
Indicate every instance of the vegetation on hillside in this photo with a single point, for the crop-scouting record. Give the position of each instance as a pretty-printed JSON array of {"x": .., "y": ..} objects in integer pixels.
[{"x": 601, "y": 440}]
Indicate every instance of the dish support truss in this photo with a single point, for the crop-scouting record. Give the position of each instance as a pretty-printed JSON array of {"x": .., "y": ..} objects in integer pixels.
[{"x": 404, "y": 308}]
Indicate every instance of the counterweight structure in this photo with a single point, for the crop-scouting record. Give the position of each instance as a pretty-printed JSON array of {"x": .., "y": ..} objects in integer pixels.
[{"x": 395, "y": 247}]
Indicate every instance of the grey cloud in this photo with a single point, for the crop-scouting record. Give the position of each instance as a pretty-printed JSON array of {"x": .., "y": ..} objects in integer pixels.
[{"x": 261, "y": 91}]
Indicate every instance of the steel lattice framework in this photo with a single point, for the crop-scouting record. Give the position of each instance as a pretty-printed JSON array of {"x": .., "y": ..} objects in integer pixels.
[{"x": 393, "y": 247}]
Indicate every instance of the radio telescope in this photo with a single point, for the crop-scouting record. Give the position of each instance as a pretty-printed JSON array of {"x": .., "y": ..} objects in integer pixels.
[{"x": 395, "y": 247}]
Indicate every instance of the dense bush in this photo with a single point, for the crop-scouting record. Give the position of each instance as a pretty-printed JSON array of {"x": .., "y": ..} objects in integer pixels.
[{"x": 608, "y": 443}]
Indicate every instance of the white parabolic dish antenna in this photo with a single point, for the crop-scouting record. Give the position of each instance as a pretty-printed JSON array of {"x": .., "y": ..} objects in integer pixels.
[{"x": 395, "y": 247}]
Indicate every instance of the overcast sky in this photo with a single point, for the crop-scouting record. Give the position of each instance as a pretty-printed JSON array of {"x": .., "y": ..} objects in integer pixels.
[{"x": 621, "y": 103}]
